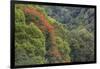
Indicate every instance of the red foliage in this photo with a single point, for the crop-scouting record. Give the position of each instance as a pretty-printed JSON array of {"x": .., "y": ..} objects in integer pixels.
[{"x": 33, "y": 11}]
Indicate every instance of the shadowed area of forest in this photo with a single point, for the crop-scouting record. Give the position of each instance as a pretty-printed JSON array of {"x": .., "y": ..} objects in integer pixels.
[{"x": 47, "y": 34}]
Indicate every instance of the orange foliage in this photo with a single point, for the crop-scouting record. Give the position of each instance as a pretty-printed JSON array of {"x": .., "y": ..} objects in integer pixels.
[
  {"x": 53, "y": 49},
  {"x": 33, "y": 11}
]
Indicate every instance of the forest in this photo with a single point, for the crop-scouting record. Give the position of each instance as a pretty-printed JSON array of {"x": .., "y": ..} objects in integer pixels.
[{"x": 46, "y": 34}]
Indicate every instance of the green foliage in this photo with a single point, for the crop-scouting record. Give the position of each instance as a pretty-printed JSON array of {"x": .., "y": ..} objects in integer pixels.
[
  {"x": 73, "y": 34},
  {"x": 51, "y": 20},
  {"x": 81, "y": 43},
  {"x": 72, "y": 16},
  {"x": 63, "y": 47},
  {"x": 30, "y": 45},
  {"x": 29, "y": 40},
  {"x": 19, "y": 16},
  {"x": 41, "y": 9}
]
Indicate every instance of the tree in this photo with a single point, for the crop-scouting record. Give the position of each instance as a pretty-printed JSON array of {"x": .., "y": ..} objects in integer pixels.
[{"x": 82, "y": 45}]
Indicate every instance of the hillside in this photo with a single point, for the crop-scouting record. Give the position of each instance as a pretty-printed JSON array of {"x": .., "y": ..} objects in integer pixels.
[
  {"x": 44, "y": 37},
  {"x": 72, "y": 16}
]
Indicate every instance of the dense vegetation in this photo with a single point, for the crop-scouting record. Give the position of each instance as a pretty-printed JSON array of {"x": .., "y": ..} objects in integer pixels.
[{"x": 48, "y": 34}]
